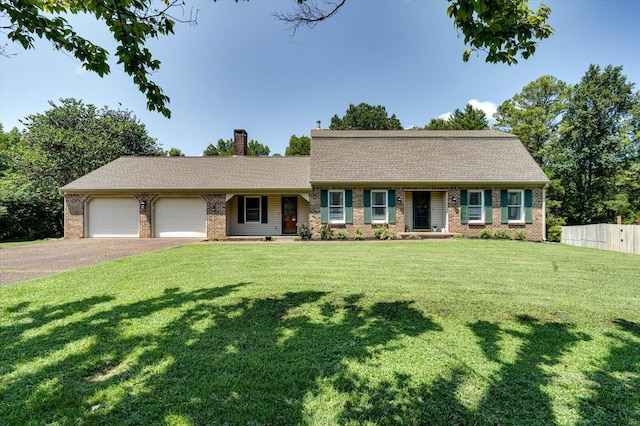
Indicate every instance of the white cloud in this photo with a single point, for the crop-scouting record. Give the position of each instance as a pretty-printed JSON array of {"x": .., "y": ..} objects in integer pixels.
[
  {"x": 446, "y": 116},
  {"x": 488, "y": 107}
]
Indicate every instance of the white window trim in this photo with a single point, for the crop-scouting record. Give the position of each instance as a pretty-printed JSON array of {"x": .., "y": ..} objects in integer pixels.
[
  {"x": 246, "y": 206},
  {"x": 481, "y": 192},
  {"x": 329, "y": 206},
  {"x": 521, "y": 205},
  {"x": 386, "y": 206}
]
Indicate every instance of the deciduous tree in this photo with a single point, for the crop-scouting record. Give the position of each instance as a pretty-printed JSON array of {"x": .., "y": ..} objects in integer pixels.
[
  {"x": 172, "y": 152},
  {"x": 298, "y": 146},
  {"x": 503, "y": 29},
  {"x": 58, "y": 146},
  {"x": 222, "y": 148},
  {"x": 365, "y": 117},
  {"x": 595, "y": 145},
  {"x": 534, "y": 114},
  {"x": 225, "y": 148},
  {"x": 8, "y": 142},
  {"x": 468, "y": 119}
]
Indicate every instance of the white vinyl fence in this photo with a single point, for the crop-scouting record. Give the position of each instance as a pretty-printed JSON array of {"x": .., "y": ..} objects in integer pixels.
[{"x": 622, "y": 238}]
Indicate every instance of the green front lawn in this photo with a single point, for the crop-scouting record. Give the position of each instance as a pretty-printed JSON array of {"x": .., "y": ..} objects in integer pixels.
[{"x": 461, "y": 332}]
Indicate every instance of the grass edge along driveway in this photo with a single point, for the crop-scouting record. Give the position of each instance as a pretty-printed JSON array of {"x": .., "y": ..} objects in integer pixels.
[{"x": 468, "y": 332}]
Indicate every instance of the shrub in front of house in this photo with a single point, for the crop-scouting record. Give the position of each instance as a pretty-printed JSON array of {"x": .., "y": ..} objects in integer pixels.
[
  {"x": 486, "y": 234},
  {"x": 503, "y": 234},
  {"x": 358, "y": 235},
  {"x": 520, "y": 235},
  {"x": 340, "y": 234},
  {"x": 304, "y": 231},
  {"x": 326, "y": 233},
  {"x": 554, "y": 234},
  {"x": 382, "y": 232}
]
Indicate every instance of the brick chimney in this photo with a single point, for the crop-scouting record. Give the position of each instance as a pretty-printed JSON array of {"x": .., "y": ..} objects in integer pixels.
[{"x": 239, "y": 142}]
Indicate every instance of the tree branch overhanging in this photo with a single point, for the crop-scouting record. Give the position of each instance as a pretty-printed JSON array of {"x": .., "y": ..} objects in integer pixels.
[{"x": 309, "y": 14}]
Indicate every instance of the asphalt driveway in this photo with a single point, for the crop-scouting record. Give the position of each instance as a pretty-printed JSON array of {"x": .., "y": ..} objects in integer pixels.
[{"x": 30, "y": 261}]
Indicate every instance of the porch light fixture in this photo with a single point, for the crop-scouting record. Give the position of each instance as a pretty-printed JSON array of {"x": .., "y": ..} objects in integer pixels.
[
  {"x": 453, "y": 199},
  {"x": 143, "y": 204},
  {"x": 399, "y": 199},
  {"x": 213, "y": 207}
]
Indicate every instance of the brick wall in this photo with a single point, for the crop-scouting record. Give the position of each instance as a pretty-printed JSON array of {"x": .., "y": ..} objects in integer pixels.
[
  {"x": 145, "y": 214},
  {"x": 534, "y": 230},
  {"x": 216, "y": 216},
  {"x": 74, "y": 216},
  {"x": 358, "y": 213}
]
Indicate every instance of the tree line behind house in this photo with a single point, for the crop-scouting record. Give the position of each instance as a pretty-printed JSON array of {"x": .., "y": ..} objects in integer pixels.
[{"x": 585, "y": 136}]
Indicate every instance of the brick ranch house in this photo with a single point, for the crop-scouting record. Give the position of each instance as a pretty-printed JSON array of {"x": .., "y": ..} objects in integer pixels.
[{"x": 413, "y": 180}]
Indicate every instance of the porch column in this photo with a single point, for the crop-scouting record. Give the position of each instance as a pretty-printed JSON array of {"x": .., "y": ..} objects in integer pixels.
[
  {"x": 216, "y": 216},
  {"x": 74, "y": 216},
  {"x": 145, "y": 214}
]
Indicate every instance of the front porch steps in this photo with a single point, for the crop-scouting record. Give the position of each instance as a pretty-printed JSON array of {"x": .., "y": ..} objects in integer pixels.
[{"x": 425, "y": 235}]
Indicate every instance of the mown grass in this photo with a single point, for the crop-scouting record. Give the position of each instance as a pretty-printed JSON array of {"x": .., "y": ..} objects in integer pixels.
[{"x": 464, "y": 332}]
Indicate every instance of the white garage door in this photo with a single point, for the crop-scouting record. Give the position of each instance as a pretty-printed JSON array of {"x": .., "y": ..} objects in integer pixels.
[
  {"x": 180, "y": 217},
  {"x": 114, "y": 218}
]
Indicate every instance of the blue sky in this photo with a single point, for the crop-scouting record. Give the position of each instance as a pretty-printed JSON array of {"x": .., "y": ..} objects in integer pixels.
[{"x": 240, "y": 68}]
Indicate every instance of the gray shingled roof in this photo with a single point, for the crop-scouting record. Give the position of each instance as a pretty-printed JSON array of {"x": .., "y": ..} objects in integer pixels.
[
  {"x": 421, "y": 157},
  {"x": 418, "y": 157},
  {"x": 163, "y": 174}
]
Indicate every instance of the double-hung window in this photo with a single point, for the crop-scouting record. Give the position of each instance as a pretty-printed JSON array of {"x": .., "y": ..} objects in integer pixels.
[
  {"x": 252, "y": 209},
  {"x": 378, "y": 206},
  {"x": 475, "y": 206},
  {"x": 515, "y": 206},
  {"x": 336, "y": 206}
]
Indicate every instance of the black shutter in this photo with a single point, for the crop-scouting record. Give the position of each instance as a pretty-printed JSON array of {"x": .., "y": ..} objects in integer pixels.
[
  {"x": 265, "y": 209},
  {"x": 240, "y": 209}
]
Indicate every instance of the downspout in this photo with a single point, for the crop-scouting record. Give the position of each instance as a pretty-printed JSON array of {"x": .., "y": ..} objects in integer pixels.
[{"x": 544, "y": 212}]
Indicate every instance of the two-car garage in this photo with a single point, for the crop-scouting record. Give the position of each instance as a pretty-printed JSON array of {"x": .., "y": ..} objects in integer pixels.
[{"x": 119, "y": 217}]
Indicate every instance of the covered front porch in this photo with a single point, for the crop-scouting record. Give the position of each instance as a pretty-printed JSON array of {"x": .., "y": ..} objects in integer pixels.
[
  {"x": 265, "y": 215},
  {"x": 426, "y": 211}
]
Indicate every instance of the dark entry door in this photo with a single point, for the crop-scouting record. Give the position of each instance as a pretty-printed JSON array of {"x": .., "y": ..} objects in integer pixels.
[
  {"x": 421, "y": 210},
  {"x": 289, "y": 214}
]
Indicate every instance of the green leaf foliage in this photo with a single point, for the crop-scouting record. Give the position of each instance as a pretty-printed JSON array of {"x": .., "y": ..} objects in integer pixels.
[
  {"x": 222, "y": 148},
  {"x": 298, "y": 146},
  {"x": 8, "y": 142},
  {"x": 256, "y": 149},
  {"x": 131, "y": 23},
  {"x": 468, "y": 119},
  {"x": 597, "y": 149},
  {"x": 503, "y": 29},
  {"x": 172, "y": 152},
  {"x": 365, "y": 117},
  {"x": 60, "y": 145},
  {"x": 226, "y": 148},
  {"x": 534, "y": 114}
]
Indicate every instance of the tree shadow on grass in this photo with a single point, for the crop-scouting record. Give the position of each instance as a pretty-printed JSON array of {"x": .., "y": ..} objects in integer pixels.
[
  {"x": 514, "y": 393},
  {"x": 48, "y": 357},
  {"x": 216, "y": 360},
  {"x": 616, "y": 397}
]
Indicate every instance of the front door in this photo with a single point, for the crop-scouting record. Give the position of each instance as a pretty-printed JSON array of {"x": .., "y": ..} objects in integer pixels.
[
  {"x": 421, "y": 210},
  {"x": 289, "y": 213}
]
